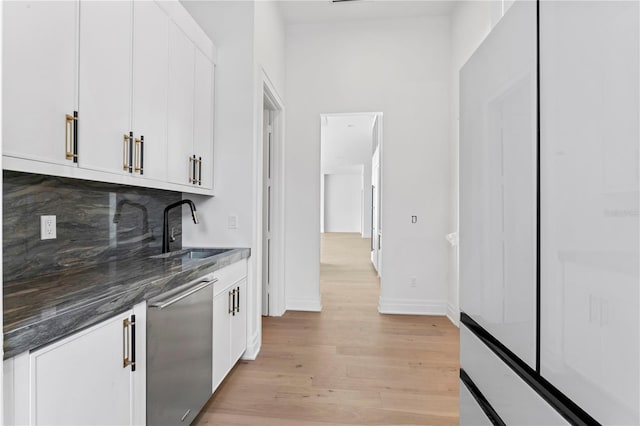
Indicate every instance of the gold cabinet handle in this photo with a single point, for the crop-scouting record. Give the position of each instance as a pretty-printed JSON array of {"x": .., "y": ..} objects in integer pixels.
[
  {"x": 231, "y": 299},
  {"x": 125, "y": 343},
  {"x": 70, "y": 137},
  {"x": 126, "y": 147},
  {"x": 195, "y": 165},
  {"x": 139, "y": 155},
  {"x": 199, "y": 170}
]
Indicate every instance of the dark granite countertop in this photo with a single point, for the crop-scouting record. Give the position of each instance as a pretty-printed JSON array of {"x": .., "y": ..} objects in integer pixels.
[{"x": 46, "y": 308}]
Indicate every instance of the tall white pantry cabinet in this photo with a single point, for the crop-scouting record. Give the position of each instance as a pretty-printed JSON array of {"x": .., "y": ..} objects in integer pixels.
[{"x": 549, "y": 225}]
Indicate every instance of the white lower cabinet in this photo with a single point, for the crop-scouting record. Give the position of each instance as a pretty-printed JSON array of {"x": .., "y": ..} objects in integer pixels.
[
  {"x": 513, "y": 400},
  {"x": 95, "y": 376},
  {"x": 229, "y": 319},
  {"x": 471, "y": 413}
]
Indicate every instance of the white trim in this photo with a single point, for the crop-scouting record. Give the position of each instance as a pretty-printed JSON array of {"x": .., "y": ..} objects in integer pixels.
[
  {"x": 51, "y": 169},
  {"x": 412, "y": 307},
  {"x": 253, "y": 347},
  {"x": 453, "y": 313},
  {"x": 1, "y": 254},
  {"x": 277, "y": 301},
  {"x": 190, "y": 27},
  {"x": 307, "y": 305}
]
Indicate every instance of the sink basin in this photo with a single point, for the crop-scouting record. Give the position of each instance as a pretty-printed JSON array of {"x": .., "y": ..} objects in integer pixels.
[{"x": 193, "y": 253}]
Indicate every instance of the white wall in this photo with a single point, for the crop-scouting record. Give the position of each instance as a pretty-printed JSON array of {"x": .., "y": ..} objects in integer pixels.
[
  {"x": 250, "y": 38},
  {"x": 270, "y": 43},
  {"x": 343, "y": 201},
  {"x": 400, "y": 67},
  {"x": 471, "y": 21}
]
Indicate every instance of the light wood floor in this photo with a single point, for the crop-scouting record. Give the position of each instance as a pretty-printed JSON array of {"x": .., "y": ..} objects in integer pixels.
[{"x": 348, "y": 365}]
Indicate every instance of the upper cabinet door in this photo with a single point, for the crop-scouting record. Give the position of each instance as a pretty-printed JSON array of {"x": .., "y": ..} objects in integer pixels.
[
  {"x": 203, "y": 119},
  {"x": 39, "y": 71},
  {"x": 105, "y": 84},
  {"x": 498, "y": 131},
  {"x": 589, "y": 204},
  {"x": 181, "y": 104},
  {"x": 150, "y": 78}
]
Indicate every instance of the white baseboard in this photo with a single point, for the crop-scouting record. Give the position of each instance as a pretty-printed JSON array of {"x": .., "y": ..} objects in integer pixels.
[
  {"x": 453, "y": 313},
  {"x": 253, "y": 348},
  {"x": 310, "y": 305},
  {"x": 412, "y": 307}
]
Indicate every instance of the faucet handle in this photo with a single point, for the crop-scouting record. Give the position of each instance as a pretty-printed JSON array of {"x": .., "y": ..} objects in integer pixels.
[{"x": 172, "y": 238}]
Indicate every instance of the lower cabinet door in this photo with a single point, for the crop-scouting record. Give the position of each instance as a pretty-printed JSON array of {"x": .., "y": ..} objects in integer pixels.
[
  {"x": 83, "y": 379},
  {"x": 514, "y": 401},
  {"x": 222, "y": 303},
  {"x": 239, "y": 322},
  {"x": 471, "y": 414}
]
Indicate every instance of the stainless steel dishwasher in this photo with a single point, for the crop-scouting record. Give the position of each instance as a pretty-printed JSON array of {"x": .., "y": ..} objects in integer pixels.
[{"x": 179, "y": 352}]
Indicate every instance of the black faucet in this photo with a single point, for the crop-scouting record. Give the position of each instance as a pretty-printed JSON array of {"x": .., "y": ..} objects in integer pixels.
[{"x": 165, "y": 225}]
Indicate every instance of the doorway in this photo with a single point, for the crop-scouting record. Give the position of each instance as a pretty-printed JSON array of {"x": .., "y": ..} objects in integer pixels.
[{"x": 350, "y": 196}]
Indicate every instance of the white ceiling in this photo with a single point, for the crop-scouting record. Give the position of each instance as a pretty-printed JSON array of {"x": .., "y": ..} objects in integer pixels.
[
  {"x": 318, "y": 11},
  {"x": 347, "y": 141}
]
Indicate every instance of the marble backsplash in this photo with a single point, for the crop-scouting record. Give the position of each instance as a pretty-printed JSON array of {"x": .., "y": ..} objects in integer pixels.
[{"x": 96, "y": 222}]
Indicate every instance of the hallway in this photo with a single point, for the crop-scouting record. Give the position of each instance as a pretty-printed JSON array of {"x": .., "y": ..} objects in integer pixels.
[{"x": 348, "y": 364}]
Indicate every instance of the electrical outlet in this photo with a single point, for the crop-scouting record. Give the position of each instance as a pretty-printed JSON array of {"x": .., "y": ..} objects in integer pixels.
[
  {"x": 48, "y": 227},
  {"x": 412, "y": 283},
  {"x": 232, "y": 222}
]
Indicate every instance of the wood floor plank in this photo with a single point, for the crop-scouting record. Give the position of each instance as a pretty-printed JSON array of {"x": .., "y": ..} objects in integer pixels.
[{"x": 346, "y": 365}]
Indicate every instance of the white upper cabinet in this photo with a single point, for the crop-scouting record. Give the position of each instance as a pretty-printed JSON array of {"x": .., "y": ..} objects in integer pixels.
[
  {"x": 203, "y": 119},
  {"x": 150, "y": 92},
  {"x": 590, "y": 225},
  {"x": 190, "y": 119},
  {"x": 39, "y": 72},
  {"x": 138, "y": 76},
  {"x": 181, "y": 106},
  {"x": 498, "y": 182},
  {"x": 105, "y": 85}
]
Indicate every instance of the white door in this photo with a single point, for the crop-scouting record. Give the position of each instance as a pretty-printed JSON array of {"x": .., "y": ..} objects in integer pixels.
[
  {"x": 203, "y": 119},
  {"x": 150, "y": 78},
  {"x": 590, "y": 225},
  {"x": 498, "y": 182},
  {"x": 267, "y": 135},
  {"x": 39, "y": 71},
  {"x": 375, "y": 208},
  {"x": 105, "y": 84},
  {"x": 82, "y": 380},
  {"x": 180, "y": 168}
]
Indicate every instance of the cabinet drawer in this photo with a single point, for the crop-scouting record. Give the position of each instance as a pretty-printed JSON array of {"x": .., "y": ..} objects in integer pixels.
[
  {"x": 229, "y": 275},
  {"x": 514, "y": 401},
  {"x": 471, "y": 413}
]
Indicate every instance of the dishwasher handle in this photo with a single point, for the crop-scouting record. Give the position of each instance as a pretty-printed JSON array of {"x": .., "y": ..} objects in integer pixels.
[{"x": 164, "y": 304}]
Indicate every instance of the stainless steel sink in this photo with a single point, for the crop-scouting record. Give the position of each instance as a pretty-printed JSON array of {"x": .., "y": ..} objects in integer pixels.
[{"x": 192, "y": 253}]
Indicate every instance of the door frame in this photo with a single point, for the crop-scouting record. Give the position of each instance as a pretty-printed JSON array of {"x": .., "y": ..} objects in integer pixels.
[{"x": 270, "y": 96}]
